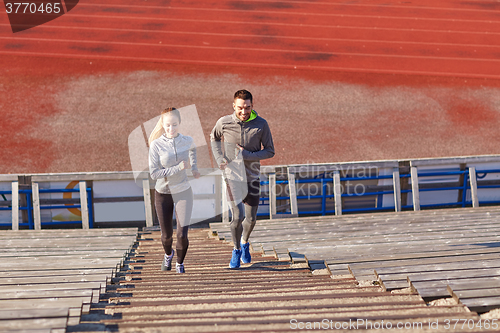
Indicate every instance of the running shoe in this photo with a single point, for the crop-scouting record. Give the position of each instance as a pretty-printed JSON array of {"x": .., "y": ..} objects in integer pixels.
[
  {"x": 246, "y": 258},
  {"x": 179, "y": 268},
  {"x": 235, "y": 259},
  {"x": 166, "y": 264}
]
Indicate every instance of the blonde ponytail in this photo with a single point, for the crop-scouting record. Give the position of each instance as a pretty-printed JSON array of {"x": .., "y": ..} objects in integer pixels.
[{"x": 157, "y": 131}]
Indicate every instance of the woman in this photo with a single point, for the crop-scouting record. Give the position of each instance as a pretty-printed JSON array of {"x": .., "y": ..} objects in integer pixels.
[{"x": 170, "y": 154}]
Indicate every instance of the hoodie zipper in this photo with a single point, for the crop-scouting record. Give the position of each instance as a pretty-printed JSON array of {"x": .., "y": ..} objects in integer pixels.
[{"x": 175, "y": 149}]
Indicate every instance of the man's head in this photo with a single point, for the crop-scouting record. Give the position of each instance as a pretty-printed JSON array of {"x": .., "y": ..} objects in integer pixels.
[{"x": 242, "y": 104}]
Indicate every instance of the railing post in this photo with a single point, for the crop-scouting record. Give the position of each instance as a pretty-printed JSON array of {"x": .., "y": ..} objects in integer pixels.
[
  {"x": 36, "y": 206},
  {"x": 15, "y": 205},
  {"x": 337, "y": 192},
  {"x": 293, "y": 194},
  {"x": 414, "y": 189},
  {"x": 84, "y": 207},
  {"x": 396, "y": 184},
  {"x": 147, "y": 202},
  {"x": 272, "y": 195},
  {"x": 473, "y": 187}
]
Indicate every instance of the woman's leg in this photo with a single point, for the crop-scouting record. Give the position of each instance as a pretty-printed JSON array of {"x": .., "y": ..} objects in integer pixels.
[
  {"x": 164, "y": 205},
  {"x": 183, "y": 210}
]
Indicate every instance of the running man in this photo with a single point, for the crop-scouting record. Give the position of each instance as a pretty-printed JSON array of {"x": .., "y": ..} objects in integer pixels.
[{"x": 247, "y": 140}]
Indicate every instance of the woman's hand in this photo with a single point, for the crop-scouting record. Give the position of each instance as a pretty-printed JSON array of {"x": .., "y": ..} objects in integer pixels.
[
  {"x": 196, "y": 174},
  {"x": 185, "y": 165}
]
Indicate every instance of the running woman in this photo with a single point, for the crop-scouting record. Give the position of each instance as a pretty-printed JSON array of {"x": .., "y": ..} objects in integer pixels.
[{"x": 170, "y": 154}]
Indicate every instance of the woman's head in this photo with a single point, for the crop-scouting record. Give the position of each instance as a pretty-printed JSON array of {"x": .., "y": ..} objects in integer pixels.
[{"x": 170, "y": 121}]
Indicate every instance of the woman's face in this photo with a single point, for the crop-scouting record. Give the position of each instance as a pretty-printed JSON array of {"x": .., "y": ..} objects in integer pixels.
[{"x": 171, "y": 125}]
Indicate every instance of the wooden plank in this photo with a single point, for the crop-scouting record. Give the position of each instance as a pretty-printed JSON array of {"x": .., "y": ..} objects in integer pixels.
[
  {"x": 74, "y": 303},
  {"x": 36, "y": 206},
  {"x": 15, "y": 205},
  {"x": 376, "y": 258},
  {"x": 473, "y": 187},
  {"x": 462, "y": 284},
  {"x": 414, "y": 189},
  {"x": 344, "y": 234},
  {"x": 445, "y": 266},
  {"x": 396, "y": 184},
  {"x": 71, "y": 264},
  {"x": 272, "y": 195},
  {"x": 58, "y": 272},
  {"x": 34, "y": 313},
  {"x": 440, "y": 275},
  {"x": 293, "y": 194},
  {"x": 96, "y": 286},
  {"x": 21, "y": 325},
  {"x": 84, "y": 208},
  {"x": 482, "y": 304},
  {"x": 55, "y": 279},
  {"x": 476, "y": 293},
  {"x": 147, "y": 202},
  {"x": 53, "y": 252},
  {"x": 439, "y": 288},
  {"x": 31, "y": 294},
  {"x": 337, "y": 193}
]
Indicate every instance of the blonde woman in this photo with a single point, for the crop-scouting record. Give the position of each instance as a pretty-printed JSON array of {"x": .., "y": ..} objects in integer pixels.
[{"x": 170, "y": 154}]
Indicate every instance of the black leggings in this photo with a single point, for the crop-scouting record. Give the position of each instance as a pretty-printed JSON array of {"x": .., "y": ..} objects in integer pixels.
[{"x": 164, "y": 204}]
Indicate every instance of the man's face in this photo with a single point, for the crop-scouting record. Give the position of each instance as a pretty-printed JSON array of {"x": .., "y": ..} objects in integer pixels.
[{"x": 243, "y": 108}]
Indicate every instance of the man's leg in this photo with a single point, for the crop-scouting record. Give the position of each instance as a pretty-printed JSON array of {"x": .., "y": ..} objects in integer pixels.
[
  {"x": 249, "y": 222},
  {"x": 236, "y": 225},
  {"x": 251, "y": 206},
  {"x": 236, "y": 191}
]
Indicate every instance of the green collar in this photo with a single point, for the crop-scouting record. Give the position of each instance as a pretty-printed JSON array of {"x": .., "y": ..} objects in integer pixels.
[{"x": 253, "y": 115}]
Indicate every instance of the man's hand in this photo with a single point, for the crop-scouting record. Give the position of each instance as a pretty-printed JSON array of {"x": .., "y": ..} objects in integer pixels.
[
  {"x": 196, "y": 174},
  {"x": 239, "y": 149}
]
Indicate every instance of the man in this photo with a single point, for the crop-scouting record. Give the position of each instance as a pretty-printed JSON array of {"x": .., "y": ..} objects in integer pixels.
[{"x": 247, "y": 140}]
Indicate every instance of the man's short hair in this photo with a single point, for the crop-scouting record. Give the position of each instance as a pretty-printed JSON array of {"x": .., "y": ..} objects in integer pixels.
[{"x": 243, "y": 94}]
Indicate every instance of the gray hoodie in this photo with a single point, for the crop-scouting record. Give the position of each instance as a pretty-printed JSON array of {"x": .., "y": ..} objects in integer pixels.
[
  {"x": 254, "y": 135},
  {"x": 164, "y": 157}
]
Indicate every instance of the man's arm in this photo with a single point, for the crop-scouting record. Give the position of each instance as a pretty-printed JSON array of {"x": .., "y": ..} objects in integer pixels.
[
  {"x": 216, "y": 142},
  {"x": 267, "y": 150}
]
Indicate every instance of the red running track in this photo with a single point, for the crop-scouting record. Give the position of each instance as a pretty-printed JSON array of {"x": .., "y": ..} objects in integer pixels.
[
  {"x": 338, "y": 81},
  {"x": 429, "y": 38}
]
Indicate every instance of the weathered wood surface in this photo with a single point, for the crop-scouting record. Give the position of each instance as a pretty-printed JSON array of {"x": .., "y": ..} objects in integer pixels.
[
  {"x": 427, "y": 249},
  {"x": 262, "y": 296},
  {"x": 49, "y": 278}
]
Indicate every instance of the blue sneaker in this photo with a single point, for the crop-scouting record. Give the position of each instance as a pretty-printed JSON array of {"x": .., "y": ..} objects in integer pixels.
[
  {"x": 235, "y": 259},
  {"x": 179, "y": 268},
  {"x": 246, "y": 258}
]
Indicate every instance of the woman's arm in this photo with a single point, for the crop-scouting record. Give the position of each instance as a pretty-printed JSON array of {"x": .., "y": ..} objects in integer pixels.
[{"x": 156, "y": 169}]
